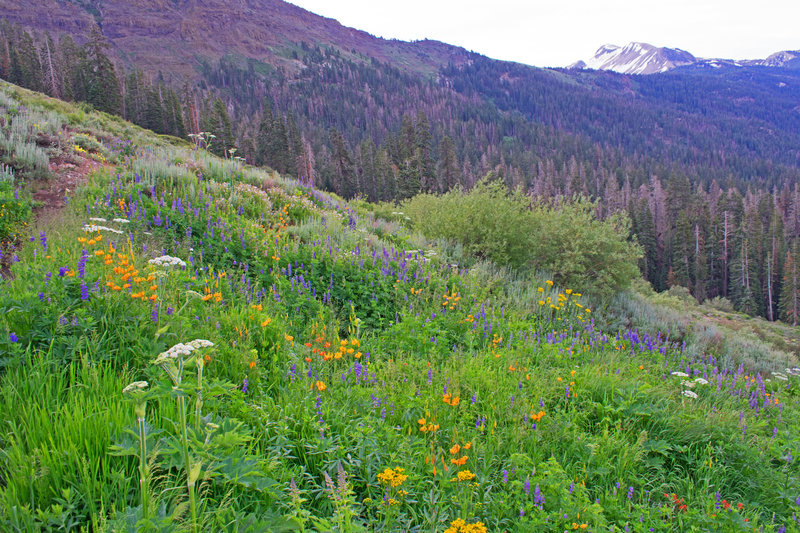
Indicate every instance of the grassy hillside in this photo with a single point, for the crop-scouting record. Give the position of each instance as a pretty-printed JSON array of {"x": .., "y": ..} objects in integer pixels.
[{"x": 192, "y": 344}]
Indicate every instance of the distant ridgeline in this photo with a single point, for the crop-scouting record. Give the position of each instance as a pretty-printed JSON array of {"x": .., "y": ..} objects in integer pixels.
[{"x": 704, "y": 162}]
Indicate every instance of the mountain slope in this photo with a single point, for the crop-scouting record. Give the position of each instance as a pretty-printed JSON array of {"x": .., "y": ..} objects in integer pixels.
[{"x": 169, "y": 36}]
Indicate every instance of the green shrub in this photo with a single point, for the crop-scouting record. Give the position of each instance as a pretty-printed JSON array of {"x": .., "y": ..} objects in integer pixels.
[
  {"x": 582, "y": 251},
  {"x": 88, "y": 143},
  {"x": 490, "y": 222},
  {"x": 565, "y": 239},
  {"x": 15, "y": 211}
]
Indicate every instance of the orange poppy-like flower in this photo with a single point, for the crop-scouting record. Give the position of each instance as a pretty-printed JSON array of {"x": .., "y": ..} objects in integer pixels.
[
  {"x": 455, "y": 449},
  {"x": 461, "y": 461}
]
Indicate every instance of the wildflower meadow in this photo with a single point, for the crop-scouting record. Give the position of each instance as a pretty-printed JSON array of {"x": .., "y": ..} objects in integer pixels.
[{"x": 198, "y": 345}]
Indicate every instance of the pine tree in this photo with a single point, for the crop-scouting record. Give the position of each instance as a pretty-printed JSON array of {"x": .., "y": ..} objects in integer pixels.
[
  {"x": 342, "y": 165},
  {"x": 102, "y": 86},
  {"x": 72, "y": 61},
  {"x": 790, "y": 292},
  {"x": 218, "y": 122},
  {"x": 30, "y": 67},
  {"x": 448, "y": 165},
  {"x": 426, "y": 168},
  {"x": 264, "y": 136}
]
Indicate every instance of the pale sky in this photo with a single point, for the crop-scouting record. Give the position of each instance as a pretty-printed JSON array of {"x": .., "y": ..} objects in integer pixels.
[{"x": 557, "y": 33}]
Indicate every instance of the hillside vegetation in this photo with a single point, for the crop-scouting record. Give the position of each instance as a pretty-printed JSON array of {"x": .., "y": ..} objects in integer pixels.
[{"x": 195, "y": 344}]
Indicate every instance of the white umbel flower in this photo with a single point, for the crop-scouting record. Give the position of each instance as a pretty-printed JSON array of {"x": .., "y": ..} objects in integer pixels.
[
  {"x": 200, "y": 343},
  {"x": 689, "y": 394},
  {"x": 701, "y": 381},
  {"x": 122, "y": 221},
  {"x": 176, "y": 351},
  {"x": 167, "y": 260},
  {"x": 680, "y": 374},
  {"x": 93, "y": 228},
  {"x": 135, "y": 386}
]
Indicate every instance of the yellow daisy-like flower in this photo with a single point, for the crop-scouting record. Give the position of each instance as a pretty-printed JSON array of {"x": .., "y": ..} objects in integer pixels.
[{"x": 465, "y": 475}]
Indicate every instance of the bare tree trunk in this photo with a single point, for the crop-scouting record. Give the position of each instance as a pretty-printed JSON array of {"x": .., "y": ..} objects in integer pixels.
[
  {"x": 725, "y": 256},
  {"x": 770, "y": 317}
]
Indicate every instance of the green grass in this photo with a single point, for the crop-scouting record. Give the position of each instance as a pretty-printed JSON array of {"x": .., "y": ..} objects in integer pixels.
[{"x": 345, "y": 344}]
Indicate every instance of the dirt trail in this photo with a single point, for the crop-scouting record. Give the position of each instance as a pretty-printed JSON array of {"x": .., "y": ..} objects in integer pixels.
[
  {"x": 50, "y": 198},
  {"x": 50, "y": 194}
]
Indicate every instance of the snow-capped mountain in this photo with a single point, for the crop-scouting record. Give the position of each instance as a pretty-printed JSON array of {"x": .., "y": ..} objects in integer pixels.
[
  {"x": 636, "y": 58},
  {"x": 784, "y": 59},
  {"x": 643, "y": 58}
]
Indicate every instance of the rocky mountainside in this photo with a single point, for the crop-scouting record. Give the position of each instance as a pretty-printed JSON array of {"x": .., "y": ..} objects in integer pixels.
[{"x": 171, "y": 36}]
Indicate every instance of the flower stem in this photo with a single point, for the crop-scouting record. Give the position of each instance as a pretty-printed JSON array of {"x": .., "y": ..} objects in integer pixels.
[
  {"x": 143, "y": 466},
  {"x": 189, "y": 481},
  {"x": 199, "y": 400}
]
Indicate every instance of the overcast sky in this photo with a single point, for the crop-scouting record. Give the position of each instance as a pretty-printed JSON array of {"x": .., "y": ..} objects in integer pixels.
[{"x": 548, "y": 33}]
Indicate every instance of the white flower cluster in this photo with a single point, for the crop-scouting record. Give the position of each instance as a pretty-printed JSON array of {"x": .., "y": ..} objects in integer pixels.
[
  {"x": 96, "y": 219},
  {"x": 121, "y": 221},
  {"x": 135, "y": 386},
  {"x": 182, "y": 349},
  {"x": 92, "y": 228},
  {"x": 200, "y": 343},
  {"x": 690, "y": 394},
  {"x": 793, "y": 371},
  {"x": 167, "y": 260},
  {"x": 691, "y": 384},
  {"x": 680, "y": 374}
]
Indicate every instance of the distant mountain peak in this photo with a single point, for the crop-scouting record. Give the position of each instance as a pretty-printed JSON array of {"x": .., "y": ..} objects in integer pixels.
[
  {"x": 643, "y": 58},
  {"x": 636, "y": 58}
]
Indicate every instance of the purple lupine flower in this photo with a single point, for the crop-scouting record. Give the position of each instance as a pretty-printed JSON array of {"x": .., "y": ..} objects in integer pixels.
[
  {"x": 62, "y": 271},
  {"x": 538, "y": 497},
  {"x": 245, "y": 383},
  {"x": 82, "y": 264},
  {"x": 43, "y": 240},
  {"x": 84, "y": 291},
  {"x": 154, "y": 315},
  {"x": 630, "y": 492},
  {"x": 12, "y": 337},
  {"x": 505, "y": 476},
  {"x": 527, "y": 485}
]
